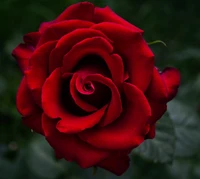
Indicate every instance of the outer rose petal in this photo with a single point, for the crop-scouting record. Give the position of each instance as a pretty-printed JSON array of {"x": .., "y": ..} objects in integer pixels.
[
  {"x": 22, "y": 53},
  {"x": 158, "y": 109},
  {"x": 56, "y": 31},
  {"x": 130, "y": 45},
  {"x": 117, "y": 164},
  {"x": 152, "y": 132},
  {"x": 53, "y": 107},
  {"x": 157, "y": 90},
  {"x": 67, "y": 42},
  {"x": 171, "y": 77},
  {"x": 24, "y": 100},
  {"x": 82, "y": 11},
  {"x": 107, "y": 15},
  {"x": 31, "y": 113},
  {"x": 32, "y": 38},
  {"x": 34, "y": 121},
  {"x": 71, "y": 147},
  {"x": 38, "y": 71},
  {"x": 128, "y": 131}
]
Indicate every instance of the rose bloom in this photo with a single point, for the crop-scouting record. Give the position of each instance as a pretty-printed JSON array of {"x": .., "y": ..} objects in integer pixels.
[{"x": 90, "y": 86}]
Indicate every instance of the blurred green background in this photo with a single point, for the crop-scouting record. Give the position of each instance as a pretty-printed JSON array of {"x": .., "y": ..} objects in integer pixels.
[{"x": 175, "y": 151}]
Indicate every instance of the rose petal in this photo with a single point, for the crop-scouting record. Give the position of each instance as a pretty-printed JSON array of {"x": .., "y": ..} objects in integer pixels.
[
  {"x": 52, "y": 106},
  {"x": 31, "y": 113},
  {"x": 38, "y": 71},
  {"x": 98, "y": 46},
  {"x": 107, "y": 15},
  {"x": 130, "y": 45},
  {"x": 32, "y": 38},
  {"x": 71, "y": 147},
  {"x": 157, "y": 109},
  {"x": 116, "y": 164},
  {"x": 74, "y": 93},
  {"x": 128, "y": 131},
  {"x": 22, "y": 53},
  {"x": 71, "y": 124},
  {"x": 44, "y": 26},
  {"x": 81, "y": 11},
  {"x": 171, "y": 77},
  {"x": 152, "y": 132},
  {"x": 57, "y": 30},
  {"x": 157, "y": 90},
  {"x": 115, "y": 107},
  {"x": 24, "y": 100},
  {"x": 67, "y": 42},
  {"x": 34, "y": 121},
  {"x": 117, "y": 71},
  {"x": 86, "y": 47}
]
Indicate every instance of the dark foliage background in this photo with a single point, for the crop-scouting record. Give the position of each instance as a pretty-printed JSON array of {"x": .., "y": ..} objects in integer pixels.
[{"x": 175, "y": 151}]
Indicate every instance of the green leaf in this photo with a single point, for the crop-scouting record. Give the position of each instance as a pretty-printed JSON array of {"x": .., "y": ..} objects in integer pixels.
[
  {"x": 187, "y": 128},
  {"x": 13, "y": 169},
  {"x": 41, "y": 162},
  {"x": 180, "y": 169},
  {"x": 156, "y": 42},
  {"x": 161, "y": 148}
]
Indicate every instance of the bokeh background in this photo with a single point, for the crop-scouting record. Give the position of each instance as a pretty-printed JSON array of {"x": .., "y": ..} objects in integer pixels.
[{"x": 175, "y": 151}]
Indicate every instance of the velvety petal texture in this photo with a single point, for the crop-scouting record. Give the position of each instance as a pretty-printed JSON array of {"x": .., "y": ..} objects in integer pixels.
[
  {"x": 128, "y": 130},
  {"x": 71, "y": 147},
  {"x": 22, "y": 53},
  {"x": 137, "y": 56},
  {"x": 91, "y": 87},
  {"x": 31, "y": 113}
]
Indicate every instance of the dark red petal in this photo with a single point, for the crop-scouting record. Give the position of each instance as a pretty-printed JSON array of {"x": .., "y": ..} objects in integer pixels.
[
  {"x": 158, "y": 109},
  {"x": 88, "y": 46},
  {"x": 171, "y": 77},
  {"x": 116, "y": 164},
  {"x": 137, "y": 56},
  {"x": 32, "y": 38},
  {"x": 67, "y": 42},
  {"x": 44, "y": 26},
  {"x": 34, "y": 121},
  {"x": 31, "y": 113},
  {"x": 82, "y": 11},
  {"x": 152, "y": 132},
  {"x": 115, "y": 107},
  {"x": 22, "y": 53},
  {"x": 52, "y": 106},
  {"x": 74, "y": 93},
  {"x": 24, "y": 100},
  {"x": 157, "y": 90},
  {"x": 126, "y": 132},
  {"x": 57, "y": 30},
  {"x": 71, "y": 147},
  {"x": 107, "y": 15},
  {"x": 70, "y": 123},
  {"x": 38, "y": 71},
  {"x": 116, "y": 66},
  {"x": 98, "y": 46}
]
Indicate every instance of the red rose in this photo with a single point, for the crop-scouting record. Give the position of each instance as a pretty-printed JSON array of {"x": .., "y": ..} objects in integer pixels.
[{"x": 90, "y": 86}]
